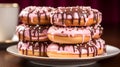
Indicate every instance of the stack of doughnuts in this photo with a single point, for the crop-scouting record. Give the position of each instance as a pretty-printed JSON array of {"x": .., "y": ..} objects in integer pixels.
[
  {"x": 62, "y": 32},
  {"x": 75, "y": 33},
  {"x": 32, "y": 33}
]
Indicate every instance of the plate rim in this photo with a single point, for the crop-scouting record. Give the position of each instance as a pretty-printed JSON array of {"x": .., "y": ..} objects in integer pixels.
[{"x": 89, "y": 58}]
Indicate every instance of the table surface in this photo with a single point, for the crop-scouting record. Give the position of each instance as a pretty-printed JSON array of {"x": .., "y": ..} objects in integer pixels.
[{"x": 111, "y": 36}]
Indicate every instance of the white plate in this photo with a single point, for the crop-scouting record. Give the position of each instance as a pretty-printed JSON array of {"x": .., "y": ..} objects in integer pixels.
[{"x": 111, "y": 51}]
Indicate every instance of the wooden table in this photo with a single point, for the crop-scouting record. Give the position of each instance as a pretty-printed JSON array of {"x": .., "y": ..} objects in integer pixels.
[{"x": 111, "y": 36}]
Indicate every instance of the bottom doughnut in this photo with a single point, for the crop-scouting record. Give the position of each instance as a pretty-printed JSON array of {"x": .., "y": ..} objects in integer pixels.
[
  {"x": 90, "y": 49},
  {"x": 33, "y": 48}
]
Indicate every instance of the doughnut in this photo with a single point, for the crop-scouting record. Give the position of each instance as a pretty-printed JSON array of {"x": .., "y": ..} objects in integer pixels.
[
  {"x": 73, "y": 35},
  {"x": 33, "y": 15},
  {"x": 90, "y": 49},
  {"x": 75, "y": 16},
  {"x": 32, "y": 33},
  {"x": 33, "y": 48}
]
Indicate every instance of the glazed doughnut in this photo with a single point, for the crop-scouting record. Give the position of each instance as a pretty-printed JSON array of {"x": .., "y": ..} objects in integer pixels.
[
  {"x": 32, "y": 33},
  {"x": 33, "y": 48},
  {"x": 75, "y": 16},
  {"x": 33, "y": 15},
  {"x": 90, "y": 49},
  {"x": 73, "y": 35}
]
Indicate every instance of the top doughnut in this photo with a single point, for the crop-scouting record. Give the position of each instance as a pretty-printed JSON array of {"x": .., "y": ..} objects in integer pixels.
[
  {"x": 33, "y": 15},
  {"x": 75, "y": 16}
]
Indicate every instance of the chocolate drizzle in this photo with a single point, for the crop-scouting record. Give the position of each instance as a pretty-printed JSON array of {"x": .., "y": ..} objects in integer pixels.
[
  {"x": 28, "y": 18},
  {"x": 45, "y": 15},
  {"x": 63, "y": 47},
  {"x": 38, "y": 15},
  {"x": 79, "y": 49},
  {"x": 23, "y": 35},
  {"x": 95, "y": 18},
  {"x": 79, "y": 16},
  {"x": 19, "y": 36},
  {"x": 62, "y": 17}
]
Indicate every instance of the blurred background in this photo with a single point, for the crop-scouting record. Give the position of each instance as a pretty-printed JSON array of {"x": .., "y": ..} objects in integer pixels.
[
  {"x": 109, "y": 8},
  {"x": 111, "y": 22}
]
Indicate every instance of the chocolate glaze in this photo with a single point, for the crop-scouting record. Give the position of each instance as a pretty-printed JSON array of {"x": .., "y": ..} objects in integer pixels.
[
  {"x": 79, "y": 16},
  {"x": 38, "y": 15}
]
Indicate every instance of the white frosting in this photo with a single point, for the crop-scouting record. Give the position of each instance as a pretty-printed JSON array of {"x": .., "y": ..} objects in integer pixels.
[
  {"x": 68, "y": 31},
  {"x": 72, "y": 31}
]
